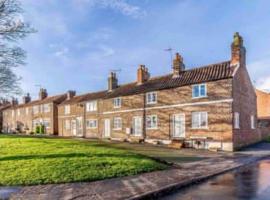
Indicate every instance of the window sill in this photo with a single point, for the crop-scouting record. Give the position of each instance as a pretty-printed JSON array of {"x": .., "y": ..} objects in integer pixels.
[
  {"x": 117, "y": 129},
  {"x": 200, "y": 97},
  {"x": 155, "y": 128},
  {"x": 200, "y": 128},
  {"x": 151, "y": 103},
  {"x": 91, "y": 128}
]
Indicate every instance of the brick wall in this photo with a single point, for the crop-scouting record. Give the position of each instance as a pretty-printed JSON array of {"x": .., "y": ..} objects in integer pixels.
[
  {"x": 263, "y": 103},
  {"x": 245, "y": 103}
]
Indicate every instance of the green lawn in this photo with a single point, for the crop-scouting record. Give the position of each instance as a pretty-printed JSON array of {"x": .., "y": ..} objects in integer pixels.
[{"x": 30, "y": 161}]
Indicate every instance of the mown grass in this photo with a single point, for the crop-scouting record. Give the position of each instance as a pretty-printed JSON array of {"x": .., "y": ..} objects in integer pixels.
[{"x": 31, "y": 161}]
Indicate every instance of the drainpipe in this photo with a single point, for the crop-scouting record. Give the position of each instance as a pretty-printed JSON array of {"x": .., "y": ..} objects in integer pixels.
[
  {"x": 144, "y": 116},
  {"x": 84, "y": 120}
]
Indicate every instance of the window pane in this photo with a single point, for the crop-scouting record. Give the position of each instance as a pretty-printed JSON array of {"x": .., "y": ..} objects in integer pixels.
[
  {"x": 203, "y": 90},
  {"x": 203, "y": 122},
  {"x": 195, "y": 120},
  {"x": 195, "y": 91}
]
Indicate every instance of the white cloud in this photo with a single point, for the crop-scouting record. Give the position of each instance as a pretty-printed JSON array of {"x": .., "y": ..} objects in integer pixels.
[
  {"x": 62, "y": 52},
  {"x": 119, "y": 5},
  {"x": 263, "y": 83}
]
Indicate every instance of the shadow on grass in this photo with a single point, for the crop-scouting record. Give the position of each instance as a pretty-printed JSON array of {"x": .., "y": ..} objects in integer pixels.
[{"x": 70, "y": 155}]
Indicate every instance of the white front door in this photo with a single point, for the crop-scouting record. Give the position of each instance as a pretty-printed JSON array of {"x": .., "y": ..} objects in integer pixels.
[
  {"x": 137, "y": 126},
  {"x": 74, "y": 127},
  {"x": 107, "y": 127},
  {"x": 178, "y": 125},
  {"x": 79, "y": 127}
]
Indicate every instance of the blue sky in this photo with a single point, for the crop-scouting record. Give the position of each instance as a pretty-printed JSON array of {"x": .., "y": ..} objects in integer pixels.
[{"x": 79, "y": 41}]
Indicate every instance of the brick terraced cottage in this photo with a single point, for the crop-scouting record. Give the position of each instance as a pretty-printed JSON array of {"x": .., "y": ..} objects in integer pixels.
[
  {"x": 24, "y": 117},
  {"x": 212, "y": 106}
]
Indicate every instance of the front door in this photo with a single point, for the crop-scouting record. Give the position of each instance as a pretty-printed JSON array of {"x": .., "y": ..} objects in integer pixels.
[
  {"x": 107, "y": 127},
  {"x": 137, "y": 126},
  {"x": 79, "y": 127},
  {"x": 178, "y": 126},
  {"x": 74, "y": 127}
]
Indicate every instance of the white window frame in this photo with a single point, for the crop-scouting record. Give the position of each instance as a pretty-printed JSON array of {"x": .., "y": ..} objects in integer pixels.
[
  {"x": 200, "y": 95},
  {"x": 27, "y": 110},
  {"x": 149, "y": 98},
  {"x": 117, "y": 102},
  {"x": 35, "y": 109},
  {"x": 46, "y": 108},
  {"x": 67, "y": 124},
  {"x": 199, "y": 120},
  {"x": 91, "y": 106},
  {"x": 18, "y": 112},
  {"x": 151, "y": 122},
  {"x": 91, "y": 123},
  {"x": 236, "y": 120},
  {"x": 12, "y": 113},
  {"x": 252, "y": 122},
  {"x": 117, "y": 123},
  {"x": 46, "y": 121},
  {"x": 67, "y": 109}
]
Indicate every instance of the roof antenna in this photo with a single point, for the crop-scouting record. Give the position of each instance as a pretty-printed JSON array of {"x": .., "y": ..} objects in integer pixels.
[
  {"x": 116, "y": 70},
  {"x": 170, "y": 50}
]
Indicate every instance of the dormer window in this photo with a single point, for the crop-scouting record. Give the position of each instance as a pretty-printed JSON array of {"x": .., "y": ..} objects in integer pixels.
[
  {"x": 117, "y": 102},
  {"x": 151, "y": 98},
  {"x": 199, "y": 91}
]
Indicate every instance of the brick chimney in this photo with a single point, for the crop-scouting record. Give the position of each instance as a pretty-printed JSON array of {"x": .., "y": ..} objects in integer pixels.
[
  {"x": 14, "y": 101},
  {"x": 42, "y": 93},
  {"x": 238, "y": 50},
  {"x": 178, "y": 65},
  {"x": 142, "y": 74},
  {"x": 112, "y": 81},
  {"x": 71, "y": 94},
  {"x": 27, "y": 98}
]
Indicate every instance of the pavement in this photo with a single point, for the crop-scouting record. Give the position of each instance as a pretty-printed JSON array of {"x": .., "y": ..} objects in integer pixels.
[{"x": 147, "y": 185}]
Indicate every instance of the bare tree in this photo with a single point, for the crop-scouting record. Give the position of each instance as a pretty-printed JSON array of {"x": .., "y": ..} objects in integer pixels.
[{"x": 12, "y": 29}]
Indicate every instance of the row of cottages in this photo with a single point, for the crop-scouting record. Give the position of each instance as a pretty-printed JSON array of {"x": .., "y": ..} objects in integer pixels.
[
  {"x": 25, "y": 117},
  {"x": 213, "y": 106}
]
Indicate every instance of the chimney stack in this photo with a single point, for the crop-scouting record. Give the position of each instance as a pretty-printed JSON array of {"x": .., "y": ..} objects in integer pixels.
[
  {"x": 71, "y": 94},
  {"x": 178, "y": 65},
  {"x": 27, "y": 98},
  {"x": 42, "y": 93},
  {"x": 142, "y": 74},
  {"x": 14, "y": 101},
  {"x": 238, "y": 50},
  {"x": 112, "y": 81}
]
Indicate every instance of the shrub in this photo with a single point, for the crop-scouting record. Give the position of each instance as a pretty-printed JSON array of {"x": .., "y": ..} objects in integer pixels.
[
  {"x": 37, "y": 131},
  {"x": 42, "y": 129}
]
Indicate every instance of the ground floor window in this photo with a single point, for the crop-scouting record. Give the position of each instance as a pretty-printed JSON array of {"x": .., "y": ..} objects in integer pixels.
[
  {"x": 151, "y": 121},
  {"x": 252, "y": 121},
  {"x": 199, "y": 120},
  {"x": 117, "y": 123},
  {"x": 236, "y": 120},
  {"x": 46, "y": 123},
  {"x": 67, "y": 124},
  {"x": 91, "y": 123}
]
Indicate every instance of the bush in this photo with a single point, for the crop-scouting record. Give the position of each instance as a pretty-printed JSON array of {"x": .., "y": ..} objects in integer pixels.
[
  {"x": 42, "y": 129},
  {"x": 37, "y": 131}
]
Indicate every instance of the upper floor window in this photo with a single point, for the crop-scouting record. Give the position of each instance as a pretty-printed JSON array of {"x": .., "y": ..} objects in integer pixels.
[
  {"x": 117, "y": 123},
  {"x": 67, "y": 109},
  {"x": 46, "y": 108},
  {"x": 252, "y": 121},
  {"x": 151, "y": 122},
  {"x": 91, "y": 106},
  {"x": 26, "y": 111},
  {"x": 18, "y": 112},
  {"x": 199, "y": 91},
  {"x": 91, "y": 123},
  {"x": 151, "y": 97},
  {"x": 117, "y": 102},
  {"x": 35, "y": 109},
  {"x": 199, "y": 120},
  {"x": 236, "y": 120},
  {"x": 12, "y": 113}
]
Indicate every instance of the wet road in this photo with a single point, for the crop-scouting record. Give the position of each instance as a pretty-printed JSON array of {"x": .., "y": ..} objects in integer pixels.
[{"x": 251, "y": 182}]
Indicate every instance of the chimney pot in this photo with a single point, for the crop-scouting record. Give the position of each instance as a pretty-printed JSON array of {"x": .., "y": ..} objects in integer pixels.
[
  {"x": 238, "y": 50},
  {"x": 178, "y": 65},
  {"x": 42, "y": 93},
  {"x": 27, "y": 98},
  {"x": 71, "y": 94},
  {"x": 142, "y": 74}
]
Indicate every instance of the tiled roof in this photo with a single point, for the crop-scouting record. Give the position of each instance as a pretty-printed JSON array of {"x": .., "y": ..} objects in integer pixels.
[
  {"x": 207, "y": 73},
  {"x": 56, "y": 99}
]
